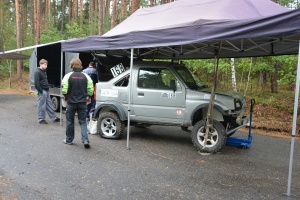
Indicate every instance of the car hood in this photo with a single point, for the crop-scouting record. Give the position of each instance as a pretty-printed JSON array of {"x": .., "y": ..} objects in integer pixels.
[{"x": 233, "y": 94}]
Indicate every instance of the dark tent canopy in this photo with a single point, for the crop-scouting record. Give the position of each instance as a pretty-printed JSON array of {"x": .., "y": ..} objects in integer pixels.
[{"x": 188, "y": 29}]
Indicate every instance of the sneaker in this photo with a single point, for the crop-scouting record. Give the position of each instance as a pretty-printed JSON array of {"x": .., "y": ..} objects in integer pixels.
[
  {"x": 86, "y": 145},
  {"x": 43, "y": 122},
  {"x": 65, "y": 142},
  {"x": 57, "y": 119}
]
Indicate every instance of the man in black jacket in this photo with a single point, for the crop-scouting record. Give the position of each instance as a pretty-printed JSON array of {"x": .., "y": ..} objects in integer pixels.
[
  {"x": 77, "y": 88},
  {"x": 42, "y": 88}
]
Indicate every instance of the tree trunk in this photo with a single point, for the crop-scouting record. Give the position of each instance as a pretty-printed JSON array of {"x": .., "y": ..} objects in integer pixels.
[
  {"x": 123, "y": 10},
  {"x": 38, "y": 22},
  {"x": 106, "y": 14},
  {"x": 18, "y": 34},
  {"x": 233, "y": 79},
  {"x": 91, "y": 17},
  {"x": 1, "y": 23},
  {"x": 100, "y": 17},
  {"x": 8, "y": 6},
  {"x": 135, "y": 5},
  {"x": 152, "y": 3},
  {"x": 62, "y": 16},
  {"x": 74, "y": 11},
  {"x": 32, "y": 19},
  {"x": 70, "y": 11},
  {"x": 263, "y": 79},
  {"x": 274, "y": 77},
  {"x": 54, "y": 12},
  {"x": 47, "y": 14},
  {"x": 95, "y": 17},
  {"x": 114, "y": 14},
  {"x": 24, "y": 25},
  {"x": 81, "y": 15}
]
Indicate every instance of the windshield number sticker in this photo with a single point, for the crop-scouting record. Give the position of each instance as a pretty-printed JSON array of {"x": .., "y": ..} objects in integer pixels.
[{"x": 117, "y": 70}]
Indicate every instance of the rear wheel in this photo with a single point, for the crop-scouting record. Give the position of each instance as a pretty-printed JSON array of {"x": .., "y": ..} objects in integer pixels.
[
  {"x": 110, "y": 126},
  {"x": 56, "y": 104},
  {"x": 216, "y": 137}
]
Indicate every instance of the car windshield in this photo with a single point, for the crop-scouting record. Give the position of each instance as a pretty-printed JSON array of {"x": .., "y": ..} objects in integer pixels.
[{"x": 192, "y": 81}]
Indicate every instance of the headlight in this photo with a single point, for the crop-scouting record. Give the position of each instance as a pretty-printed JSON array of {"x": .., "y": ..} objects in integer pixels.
[{"x": 237, "y": 104}]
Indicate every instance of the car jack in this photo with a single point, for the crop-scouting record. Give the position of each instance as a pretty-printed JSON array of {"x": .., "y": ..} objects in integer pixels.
[{"x": 242, "y": 142}]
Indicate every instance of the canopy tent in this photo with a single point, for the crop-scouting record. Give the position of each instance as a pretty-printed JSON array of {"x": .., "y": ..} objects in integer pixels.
[
  {"x": 193, "y": 29},
  {"x": 13, "y": 56}
]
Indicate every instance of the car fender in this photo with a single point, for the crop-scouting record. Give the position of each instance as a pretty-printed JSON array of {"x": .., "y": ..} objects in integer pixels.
[
  {"x": 216, "y": 107},
  {"x": 112, "y": 106}
]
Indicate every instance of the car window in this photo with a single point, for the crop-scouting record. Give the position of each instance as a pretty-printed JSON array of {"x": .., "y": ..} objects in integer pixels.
[
  {"x": 123, "y": 82},
  {"x": 157, "y": 78}
]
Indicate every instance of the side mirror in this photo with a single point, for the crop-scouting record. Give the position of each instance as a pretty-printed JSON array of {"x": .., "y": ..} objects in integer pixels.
[{"x": 172, "y": 85}]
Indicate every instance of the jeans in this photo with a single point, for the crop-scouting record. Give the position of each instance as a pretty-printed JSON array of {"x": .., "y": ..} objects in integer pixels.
[
  {"x": 80, "y": 108},
  {"x": 90, "y": 106},
  {"x": 45, "y": 105}
]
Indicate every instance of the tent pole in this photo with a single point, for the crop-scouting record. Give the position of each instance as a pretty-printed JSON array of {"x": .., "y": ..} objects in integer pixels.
[
  {"x": 61, "y": 72},
  {"x": 129, "y": 99},
  {"x": 288, "y": 193},
  {"x": 10, "y": 74}
]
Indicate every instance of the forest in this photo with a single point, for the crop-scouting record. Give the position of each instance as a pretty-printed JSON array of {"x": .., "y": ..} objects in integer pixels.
[{"x": 271, "y": 80}]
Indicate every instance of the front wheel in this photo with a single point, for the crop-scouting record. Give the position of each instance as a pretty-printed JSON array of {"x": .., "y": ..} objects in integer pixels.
[
  {"x": 110, "y": 126},
  {"x": 216, "y": 137}
]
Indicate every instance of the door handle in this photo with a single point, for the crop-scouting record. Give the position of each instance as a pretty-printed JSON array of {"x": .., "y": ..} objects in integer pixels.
[{"x": 140, "y": 93}]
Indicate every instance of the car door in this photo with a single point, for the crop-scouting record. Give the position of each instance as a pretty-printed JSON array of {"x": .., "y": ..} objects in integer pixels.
[{"x": 158, "y": 96}]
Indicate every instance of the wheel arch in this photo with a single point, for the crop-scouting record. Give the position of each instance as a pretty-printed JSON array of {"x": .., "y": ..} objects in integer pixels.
[
  {"x": 197, "y": 113},
  {"x": 112, "y": 107}
]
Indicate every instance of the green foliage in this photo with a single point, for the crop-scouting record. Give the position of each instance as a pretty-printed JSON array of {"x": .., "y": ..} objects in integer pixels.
[
  {"x": 74, "y": 31},
  {"x": 3, "y": 70},
  {"x": 281, "y": 100},
  {"x": 50, "y": 35},
  {"x": 288, "y": 70},
  {"x": 290, "y": 3},
  {"x": 262, "y": 64}
]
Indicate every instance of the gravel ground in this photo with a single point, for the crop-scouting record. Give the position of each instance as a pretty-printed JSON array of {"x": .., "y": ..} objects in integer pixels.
[{"x": 161, "y": 163}]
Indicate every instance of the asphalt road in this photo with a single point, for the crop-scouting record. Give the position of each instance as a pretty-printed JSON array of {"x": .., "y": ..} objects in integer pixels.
[{"x": 161, "y": 164}]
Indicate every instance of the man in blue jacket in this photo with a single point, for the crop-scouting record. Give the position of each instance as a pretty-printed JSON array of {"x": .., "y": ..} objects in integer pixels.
[
  {"x": 92, "y": 72},
  {"x": 77, "y": 88}
]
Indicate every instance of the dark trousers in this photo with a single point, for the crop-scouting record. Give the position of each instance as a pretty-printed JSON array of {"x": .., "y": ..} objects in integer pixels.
[
  {"x": 80, "y": 108},
  {"x": 90, "y": 106}
]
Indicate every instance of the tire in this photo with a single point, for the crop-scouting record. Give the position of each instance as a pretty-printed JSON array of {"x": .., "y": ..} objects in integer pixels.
[
  {"x": 216, "y": 137},
  {"x": 110, "y": 126},
  {"x": 56, "y": 104}
]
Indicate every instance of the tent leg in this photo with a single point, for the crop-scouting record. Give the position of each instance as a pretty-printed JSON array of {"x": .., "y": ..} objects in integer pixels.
[
  {"x": 288, "y": 193},
  {"x": 61, "y": 96},
  {"x": 10, "y": 74},
  {"x": 129, "y": 100}
]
